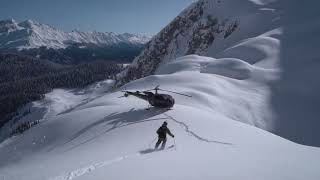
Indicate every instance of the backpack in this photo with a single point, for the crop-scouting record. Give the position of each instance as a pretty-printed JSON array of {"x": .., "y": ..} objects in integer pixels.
[{"x": 162, "y": 131}]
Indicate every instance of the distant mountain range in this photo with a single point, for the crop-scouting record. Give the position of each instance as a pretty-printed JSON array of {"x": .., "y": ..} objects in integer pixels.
[
  {"x": 31, "y": 34},
  {"x": 42, "y": 41}
]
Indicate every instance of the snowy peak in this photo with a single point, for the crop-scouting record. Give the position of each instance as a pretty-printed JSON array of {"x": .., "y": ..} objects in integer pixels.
[
  {"x": 31, "y": 34},
  {"x": 8, "y": 25},
  {"x": 192, "y": 32},
  {"x": 31, "y": 24}
]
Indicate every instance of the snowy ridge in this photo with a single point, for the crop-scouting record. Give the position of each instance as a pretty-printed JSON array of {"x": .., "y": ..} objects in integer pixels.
[{"x": 31, "y": 34}]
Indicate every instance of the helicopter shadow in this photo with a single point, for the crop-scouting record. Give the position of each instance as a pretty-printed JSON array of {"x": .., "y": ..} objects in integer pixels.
[{"x": 118, "y": 120}]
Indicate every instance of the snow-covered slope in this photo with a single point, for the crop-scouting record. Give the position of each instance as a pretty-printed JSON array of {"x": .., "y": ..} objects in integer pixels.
[
  {"x": 276, "y": 35},
  {"x": 30, "y": 34},
  {"x": 263, "y": 74},
  {"x": 110, "y": 138}
]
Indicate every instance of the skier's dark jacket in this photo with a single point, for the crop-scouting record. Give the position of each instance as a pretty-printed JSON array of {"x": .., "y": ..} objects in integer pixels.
[{"x": 163, "y": 131}]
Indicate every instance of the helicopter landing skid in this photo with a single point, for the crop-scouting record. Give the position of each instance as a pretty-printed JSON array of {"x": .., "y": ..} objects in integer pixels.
[{"x": 168, "y": 109}]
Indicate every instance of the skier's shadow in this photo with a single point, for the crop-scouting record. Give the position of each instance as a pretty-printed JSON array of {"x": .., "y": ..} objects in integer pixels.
[{"x": 151, "y": 150}]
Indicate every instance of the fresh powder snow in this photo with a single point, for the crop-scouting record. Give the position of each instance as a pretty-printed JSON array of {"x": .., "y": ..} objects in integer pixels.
[
  {"x": 111, "y": 137},
  {"x": 264, "y": 77}
]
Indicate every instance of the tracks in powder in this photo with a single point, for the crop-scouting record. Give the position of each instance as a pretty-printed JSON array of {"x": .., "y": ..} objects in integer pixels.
[
  {"x": 85, "y": 170},
  {"x": 187, "y": 129}
]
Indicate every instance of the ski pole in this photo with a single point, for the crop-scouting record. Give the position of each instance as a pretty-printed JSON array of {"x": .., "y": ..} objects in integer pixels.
[
  {"x": 175, "y": 146},
  {"x": 152, "y": 141}
]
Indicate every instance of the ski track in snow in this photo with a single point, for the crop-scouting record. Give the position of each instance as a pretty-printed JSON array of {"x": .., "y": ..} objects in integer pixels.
[
  {"x": 88, "y": 169},
  {"x": 85, "y": 170},
  {"x": 187, "y": 129}
]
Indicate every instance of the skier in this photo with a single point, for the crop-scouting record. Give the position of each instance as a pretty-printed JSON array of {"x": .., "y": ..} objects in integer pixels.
[{"x": 162, "y": 135}]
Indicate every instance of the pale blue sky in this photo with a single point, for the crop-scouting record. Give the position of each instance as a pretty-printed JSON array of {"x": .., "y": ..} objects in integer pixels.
[{"x": 133, "y": 16}]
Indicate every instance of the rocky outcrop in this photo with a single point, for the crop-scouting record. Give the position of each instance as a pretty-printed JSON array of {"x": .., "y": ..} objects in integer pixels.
[{"x": 192, "y": 32}]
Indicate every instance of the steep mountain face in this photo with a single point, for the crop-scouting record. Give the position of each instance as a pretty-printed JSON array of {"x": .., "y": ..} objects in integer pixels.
[
  {"x": 207, "y": 27},
  {"x": 30, "y": 34}
]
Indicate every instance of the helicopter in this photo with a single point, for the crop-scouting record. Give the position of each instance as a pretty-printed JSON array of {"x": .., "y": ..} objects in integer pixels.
[{"x": 155, "y": 99}]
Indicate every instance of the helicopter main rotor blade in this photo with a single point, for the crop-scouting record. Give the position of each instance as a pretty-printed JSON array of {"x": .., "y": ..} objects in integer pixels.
[
  {"x": 157, "y": 87},
  {"x": 175, "y": 92},
  {"x": 149, "y": 90}
]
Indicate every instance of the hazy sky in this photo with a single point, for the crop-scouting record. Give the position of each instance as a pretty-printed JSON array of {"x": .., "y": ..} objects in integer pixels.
[{"x": 133, "y": 16}]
